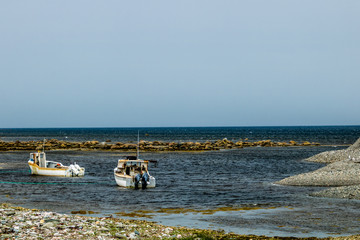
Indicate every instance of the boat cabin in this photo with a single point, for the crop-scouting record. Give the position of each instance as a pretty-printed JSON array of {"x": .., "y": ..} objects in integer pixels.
[
  {"x": 39, "y": 158},
  {"x": 131, "y": 166}
]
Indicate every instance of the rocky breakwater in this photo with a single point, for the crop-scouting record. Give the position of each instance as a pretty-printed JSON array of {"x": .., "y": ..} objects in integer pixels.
[
  {"x": 37, "y": 145},
  {"x": 341, "y": 174},
  {"x": 54, "y": 144}
]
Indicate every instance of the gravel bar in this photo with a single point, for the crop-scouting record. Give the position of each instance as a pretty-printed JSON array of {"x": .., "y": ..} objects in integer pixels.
[{"x": 341, "y": 174}]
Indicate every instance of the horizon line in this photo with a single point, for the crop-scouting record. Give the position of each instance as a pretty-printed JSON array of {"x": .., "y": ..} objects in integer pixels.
[{"x": 137, "y": 127}]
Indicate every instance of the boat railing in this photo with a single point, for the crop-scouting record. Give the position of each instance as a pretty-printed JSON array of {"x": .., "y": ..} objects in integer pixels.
[{"x": 51, "y": 164}]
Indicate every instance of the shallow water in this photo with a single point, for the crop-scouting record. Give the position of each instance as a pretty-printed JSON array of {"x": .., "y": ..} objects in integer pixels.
[{"x": 206, "y": 180}]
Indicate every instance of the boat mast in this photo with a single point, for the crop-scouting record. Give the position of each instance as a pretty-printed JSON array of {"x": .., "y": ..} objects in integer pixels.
[{"x": 137, "y": 148}]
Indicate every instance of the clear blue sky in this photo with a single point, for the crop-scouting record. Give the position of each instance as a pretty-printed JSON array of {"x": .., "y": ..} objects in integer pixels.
[{"x": 143, "y": 63}]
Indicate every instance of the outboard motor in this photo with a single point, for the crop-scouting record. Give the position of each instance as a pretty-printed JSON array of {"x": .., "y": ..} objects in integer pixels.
[
  {"x": 144, "y": 180},
  {"x": 74, "y": 170},
  {"x": 77, "y": 167},
  {"x": 137, "y": 180}
]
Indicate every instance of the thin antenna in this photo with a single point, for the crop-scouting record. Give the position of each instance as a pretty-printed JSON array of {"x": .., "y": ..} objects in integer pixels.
[
  {"x": 137, "y": 152},
  {"x": 44, "y": 145}
]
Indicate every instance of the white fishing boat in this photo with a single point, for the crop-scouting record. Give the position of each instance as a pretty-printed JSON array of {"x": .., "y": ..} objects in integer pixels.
[
  {"x": 40, "y": 166},
  {"x": 132, "y": 172}
]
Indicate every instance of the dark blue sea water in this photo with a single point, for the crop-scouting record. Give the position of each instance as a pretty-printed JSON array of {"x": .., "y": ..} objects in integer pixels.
[
  {"x": 322, "y": 134},
  {"x": 200, "y": 180}
]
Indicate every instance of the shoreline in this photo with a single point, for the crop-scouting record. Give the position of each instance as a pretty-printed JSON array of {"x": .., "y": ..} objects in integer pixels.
[{"x": 23, "y": 223}]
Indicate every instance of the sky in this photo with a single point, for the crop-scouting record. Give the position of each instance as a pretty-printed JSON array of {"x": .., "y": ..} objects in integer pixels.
[{"x": 115, "y": 63}]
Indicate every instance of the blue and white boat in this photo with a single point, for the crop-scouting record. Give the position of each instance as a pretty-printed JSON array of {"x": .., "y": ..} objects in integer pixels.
[{"x": 132, "y": 172}]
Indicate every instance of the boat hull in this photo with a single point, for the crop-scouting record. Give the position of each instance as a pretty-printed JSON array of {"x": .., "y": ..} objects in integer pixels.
[
  {"x": 55, "y": 172},
  {"x": 129, "y": 182}
]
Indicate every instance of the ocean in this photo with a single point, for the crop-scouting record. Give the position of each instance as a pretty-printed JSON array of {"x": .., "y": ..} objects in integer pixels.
[
  {"x": 322, "y": 134},
  {"x": 240, "y": 180}
]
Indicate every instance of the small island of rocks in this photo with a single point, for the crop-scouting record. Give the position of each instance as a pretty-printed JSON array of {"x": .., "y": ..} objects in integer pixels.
[{"x": 54, "y": 144}]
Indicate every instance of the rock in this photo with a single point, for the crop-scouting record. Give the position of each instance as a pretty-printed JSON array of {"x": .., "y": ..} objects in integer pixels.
[
  {"x": 6, "y": 236},
  {"x": 168, "y": 230},
  {"x": 129, "y": 146},
  {"x": 39, "y": 148},
  {"x": 10, "y": 213},
  {"x": 265, "y": 143},
  {"x": 91, "y": 143},
  {"x": 120, "y": 236},
  {"x": 132, "y": 235},
  {"x": 49, "y": 225}
]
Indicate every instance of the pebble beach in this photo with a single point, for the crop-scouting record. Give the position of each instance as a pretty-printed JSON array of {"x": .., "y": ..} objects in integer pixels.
[{"x": 22, "y": 223}]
